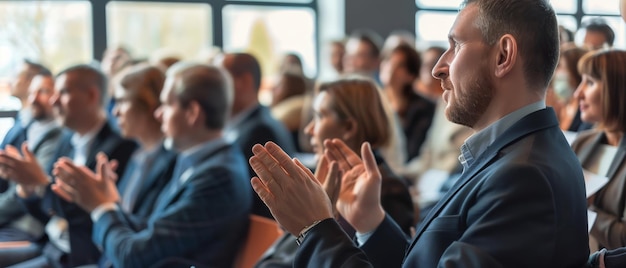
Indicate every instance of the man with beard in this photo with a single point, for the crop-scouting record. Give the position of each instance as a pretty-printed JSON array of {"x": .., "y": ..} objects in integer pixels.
[
  {"x": 42, "y": 136},
  {"x": 520, "y": 201}
]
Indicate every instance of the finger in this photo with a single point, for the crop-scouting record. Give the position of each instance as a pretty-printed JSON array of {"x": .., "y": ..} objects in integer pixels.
[
  {"x": 269, "y": 162},
  {"x": 321, "y": 171},
  {"x": 113, "y": 165},
  {"x": 307, "y": 172},
  {"x": 265, "y": 175},
  {"x": 331, "y": 151},
  {"x": 64, "y": 191},
  {"x": 12, "y": 151},
  {"x": 260, "y": 188},
  {"x": 351, "y": 157},
  {"x": 331, "y": 183},
  {"x": 370, "y": 161},
  {"x": 284, "y": 160},
  {"x": 28, "y": 155},
  {"x": 7, "y": 161}
]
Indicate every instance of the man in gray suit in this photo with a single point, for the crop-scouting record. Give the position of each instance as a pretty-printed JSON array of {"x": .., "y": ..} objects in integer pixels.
[{"x": 520, "y": 201}]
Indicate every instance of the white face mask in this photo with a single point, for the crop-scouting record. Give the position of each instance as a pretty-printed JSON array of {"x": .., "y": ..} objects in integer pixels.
[{"x": 561, "y": 86}]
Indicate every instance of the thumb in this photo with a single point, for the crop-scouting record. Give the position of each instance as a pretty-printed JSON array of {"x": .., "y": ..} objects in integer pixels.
[
  {"x": 28, "y": 155},
  {"x": 369, "y": 161}
]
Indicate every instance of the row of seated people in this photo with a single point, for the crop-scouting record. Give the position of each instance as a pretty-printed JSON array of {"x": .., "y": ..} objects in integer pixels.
[
  {"x": 89, "y": 192},
  {"x": 107, "y": 200}
]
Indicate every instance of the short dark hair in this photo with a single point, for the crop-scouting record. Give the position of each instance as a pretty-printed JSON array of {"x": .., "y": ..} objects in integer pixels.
[
  {"x": 210, "y": 86},
  {"x": 36, "y": 68},
  {"x": 412, "y": 58},
  {"x": 246, "y": 63},
  {"x": 534, "y": 26},
  {"x": 608, "y": 66},
  {"x": 599, "y": 25},
  {"x": 90, "y": 75},
  {"x": 371, "y": 38}
]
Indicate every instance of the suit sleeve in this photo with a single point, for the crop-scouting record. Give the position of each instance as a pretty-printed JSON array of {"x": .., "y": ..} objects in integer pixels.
[
  {"x": 327, "y": 245},
  {"x": 203, "y": 217}
]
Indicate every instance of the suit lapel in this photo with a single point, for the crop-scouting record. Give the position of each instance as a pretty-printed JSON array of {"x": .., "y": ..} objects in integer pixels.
[
  {"x": 101, "y": 143},
  {"x": 618, "y": 159},
  {"x": 186, "y": 176},
  {"x": 585, "y": 151},
  {"x": 162, "y": 162},
  {"x": 533, "y": 122}
]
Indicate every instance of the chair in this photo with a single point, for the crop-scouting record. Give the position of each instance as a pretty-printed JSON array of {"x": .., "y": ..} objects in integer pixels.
[{"x": 261, "y": 235}]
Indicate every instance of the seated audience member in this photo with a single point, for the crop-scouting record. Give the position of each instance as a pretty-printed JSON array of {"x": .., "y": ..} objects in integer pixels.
[
  {"x": 150, "y": 167},
  {"x": 426, "y": 85},
  {"x": 602, "y": 151},
  {"x": 78, "y": 101},
  {"x": 560, "y": 95},
  {"x": 398, "y": 70},
  {"x": 350, "y": 110},
  {"x": 288, "y": 100},
  {"x": 596, "y": 34},
  {"x": 20, "y": 90},
  {"x": 250, "y": 122},
  {"x": 520, "y": 199},
  {"x": 337, "y": 52},
  {"x": 396, "y": 38},
  {"x": 42, "y": 136},
  {"x": 201, "y": 217}
]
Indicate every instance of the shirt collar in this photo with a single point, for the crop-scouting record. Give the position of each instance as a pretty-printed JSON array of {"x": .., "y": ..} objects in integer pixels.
[
  {"x": 79, "y": 141},
  {"x": 478, "y": 143},
  {"x": 193, "y": 154}
]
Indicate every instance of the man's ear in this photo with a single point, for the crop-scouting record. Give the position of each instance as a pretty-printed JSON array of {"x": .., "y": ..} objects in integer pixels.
[
  {"x": 193, "y": 113},
  {"x": 507, "y": 53}
]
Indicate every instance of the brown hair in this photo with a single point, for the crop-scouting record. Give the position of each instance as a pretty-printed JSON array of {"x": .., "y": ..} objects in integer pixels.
[
  {"x": 571, "y": 54},
  {"x": 145, "y": 83},
  {"x": 359, "y": 99},
  {"x": 609, "y": 67}
]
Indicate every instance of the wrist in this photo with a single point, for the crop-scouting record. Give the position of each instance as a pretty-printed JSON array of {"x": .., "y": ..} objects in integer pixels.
[
  {"x": 370, "y": 223},
  {"x": 305, "y": 231}
]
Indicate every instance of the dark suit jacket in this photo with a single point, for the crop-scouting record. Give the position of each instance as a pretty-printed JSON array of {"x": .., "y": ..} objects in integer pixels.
[
  {"x": 260, "y": 127},
  {"x": 79, "y": 221},
  {"x": 205, "y": 221},
  {"x": 520, "y": 204},
  {"x": 158, "y": 175},
  {"x": 609, "y": 229},
  {"x": 11, "y": 213},
  {"x": 15, "y": 136}
]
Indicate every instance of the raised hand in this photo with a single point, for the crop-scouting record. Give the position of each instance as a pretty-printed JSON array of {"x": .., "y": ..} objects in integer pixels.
[
  {"x": 23, "y": 167},
  {"x": 291, "y": 192},
  {"x": 359, "y": 200},
  {"x": 82, "y": 186}
]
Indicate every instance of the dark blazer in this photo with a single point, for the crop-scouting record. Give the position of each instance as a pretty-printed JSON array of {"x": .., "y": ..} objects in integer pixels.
[
  {"x": 416, "y": 121},
  {"x": 158, "y": 175},
  {"x": 15, "y": 136},
  {"x": 520, "y": 204},
  {"x": 204, "y": 221},
  {"x": 609, "y": 228},
  {"x": 260, "y": 127},
  {"x": 11, "y": 213},
  {"x": 79, "y": 221}
]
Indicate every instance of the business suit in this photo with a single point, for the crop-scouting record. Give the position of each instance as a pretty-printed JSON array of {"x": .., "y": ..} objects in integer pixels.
[
  {"x": 158, "y": 174},
  {"x": 83, "y": 251},
  {"x": 22, "y": 226},
  {"x": 396, "y": 202},
  {"x": 520, "y": 204},
  {"x": 201, "y": 216},
  {"x": 609, "y": 229},
  {"x": 260, "y": 127}
]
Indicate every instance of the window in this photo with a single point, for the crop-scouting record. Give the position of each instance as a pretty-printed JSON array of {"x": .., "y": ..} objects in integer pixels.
[
  {"x": 56, "y": 34},
  {"x": 146, "y": 28},
  {"x": 270, "y": 32}
]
